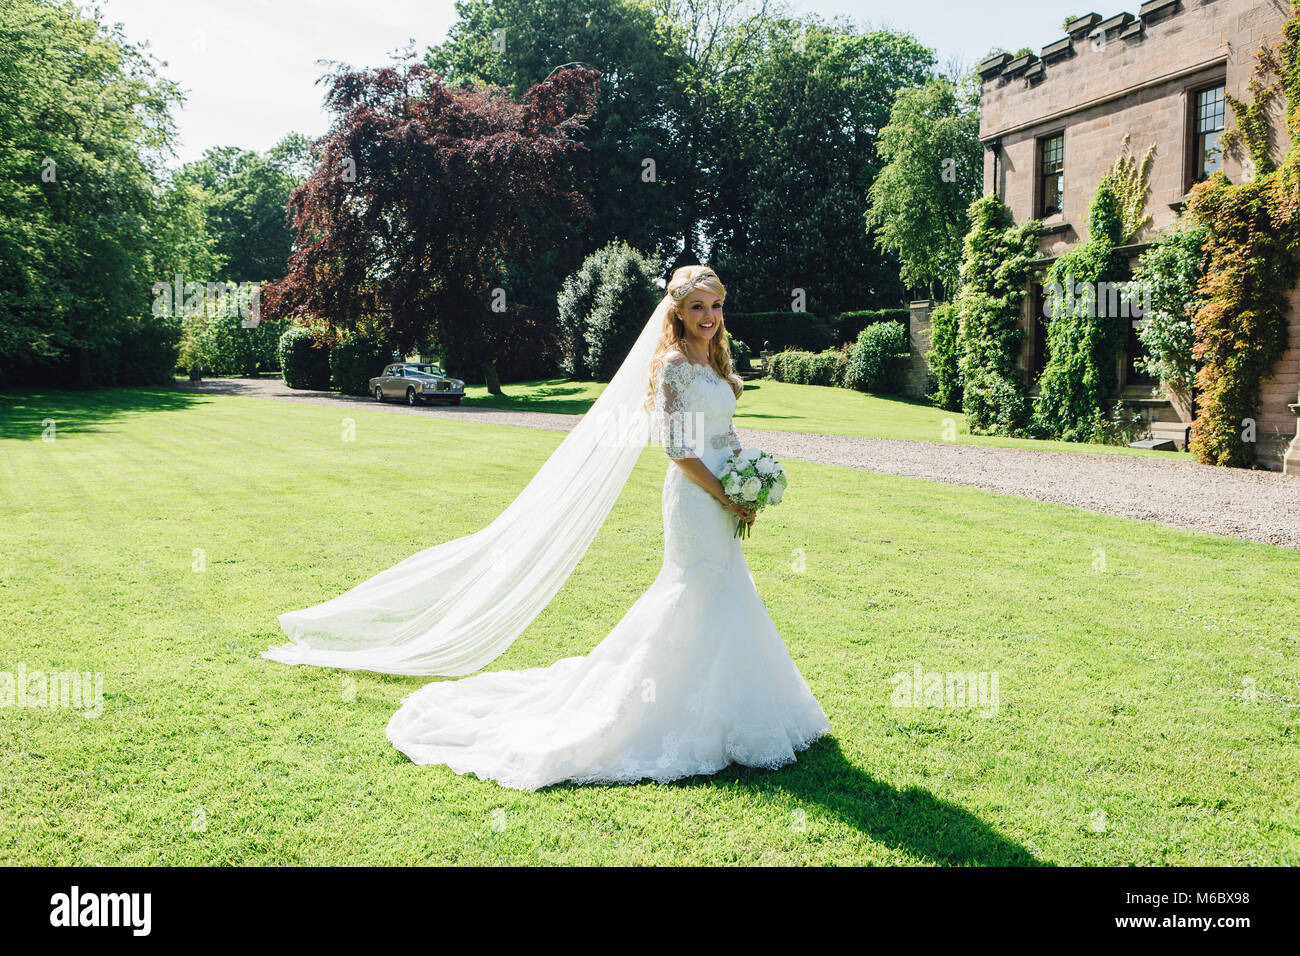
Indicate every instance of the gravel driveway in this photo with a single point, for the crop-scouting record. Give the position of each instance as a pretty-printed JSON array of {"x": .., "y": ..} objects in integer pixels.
[{"x": 1254, "y": 505}]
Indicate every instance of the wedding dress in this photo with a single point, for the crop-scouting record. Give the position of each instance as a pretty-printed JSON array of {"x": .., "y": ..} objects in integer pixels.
[{"x": 694, "y": 677}]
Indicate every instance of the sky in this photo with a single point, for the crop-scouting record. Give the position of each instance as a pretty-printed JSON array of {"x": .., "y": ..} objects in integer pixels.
[{"x": 249, "y": 67}]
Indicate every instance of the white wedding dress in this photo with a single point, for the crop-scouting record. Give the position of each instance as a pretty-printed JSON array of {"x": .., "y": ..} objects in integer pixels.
[{"x": 693, "y": 678}]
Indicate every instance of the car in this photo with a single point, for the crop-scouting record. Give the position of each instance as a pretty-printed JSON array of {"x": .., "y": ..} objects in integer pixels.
[{"x": 419, "y": 383}]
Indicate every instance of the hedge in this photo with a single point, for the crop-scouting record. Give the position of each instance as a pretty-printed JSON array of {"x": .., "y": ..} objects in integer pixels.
[{"x": 304, "y": 359}]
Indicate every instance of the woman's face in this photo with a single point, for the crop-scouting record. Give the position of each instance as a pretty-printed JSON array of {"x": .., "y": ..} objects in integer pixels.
[{"x": 701, "y": 316}]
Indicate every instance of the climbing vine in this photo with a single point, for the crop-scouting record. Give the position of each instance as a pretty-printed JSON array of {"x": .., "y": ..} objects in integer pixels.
[
  {"x": 1085, "y": 333},
  {"x": 1252, "y": 260},
  {"x": 1131, "y": 182},
  {"x": 994, "y": 275}
]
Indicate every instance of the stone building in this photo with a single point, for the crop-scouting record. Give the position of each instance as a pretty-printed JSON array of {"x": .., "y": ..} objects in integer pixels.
[{"x": 1052, "y": 123}]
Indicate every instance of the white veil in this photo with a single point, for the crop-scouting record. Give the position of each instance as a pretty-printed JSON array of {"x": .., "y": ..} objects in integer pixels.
[{"x": 452, "y": 608}]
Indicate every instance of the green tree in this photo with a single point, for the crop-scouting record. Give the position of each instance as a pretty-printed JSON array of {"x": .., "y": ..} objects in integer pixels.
[
  {"x": 517, "y": 43},
  {"x": 934, "y": 170},
  {"x": 245, "y": 198},
  {"x": 85, "y": 124},
  {"x": 799, "y": 134}
]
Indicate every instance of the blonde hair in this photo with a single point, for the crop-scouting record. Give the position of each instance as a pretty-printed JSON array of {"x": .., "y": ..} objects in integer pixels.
[{"x": 673, "y": 334}]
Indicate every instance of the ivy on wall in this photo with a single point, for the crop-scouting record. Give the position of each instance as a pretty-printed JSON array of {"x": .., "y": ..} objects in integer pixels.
[
  {"x": 1084, "y": 336},
  {"x": 1252, "y": 251},
  {"x": 942, "y": 358},
  {"x": 994, "y": 276}
]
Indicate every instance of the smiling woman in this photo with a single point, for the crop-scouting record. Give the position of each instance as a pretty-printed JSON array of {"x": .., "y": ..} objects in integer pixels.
[{"x": 695, "y": 675}]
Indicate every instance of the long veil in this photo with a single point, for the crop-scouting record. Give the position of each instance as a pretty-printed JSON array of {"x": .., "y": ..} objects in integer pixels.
[{"x": 452, "y": 608}]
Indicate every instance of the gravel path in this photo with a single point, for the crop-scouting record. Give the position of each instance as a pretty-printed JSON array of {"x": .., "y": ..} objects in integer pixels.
[{"x": 1255, "y": 505}]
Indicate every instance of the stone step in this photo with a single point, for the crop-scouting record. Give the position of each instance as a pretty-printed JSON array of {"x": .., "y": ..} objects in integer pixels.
[{"x": 1172, "y": 431}]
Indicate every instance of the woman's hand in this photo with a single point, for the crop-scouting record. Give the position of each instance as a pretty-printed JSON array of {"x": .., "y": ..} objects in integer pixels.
[{"x": 743, "y": 512}]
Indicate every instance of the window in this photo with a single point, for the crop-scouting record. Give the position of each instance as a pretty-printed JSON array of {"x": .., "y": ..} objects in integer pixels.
[
  {"x": 1051, "y": 153},
  {"x": 1207, "y": 127}
]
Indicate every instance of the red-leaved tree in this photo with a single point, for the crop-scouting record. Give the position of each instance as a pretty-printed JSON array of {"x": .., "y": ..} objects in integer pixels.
[{"x": 420, "y": 194}]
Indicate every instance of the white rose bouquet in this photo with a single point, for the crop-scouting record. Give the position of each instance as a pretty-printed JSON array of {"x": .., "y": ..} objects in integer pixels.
[{"x": 753, "y": 478}]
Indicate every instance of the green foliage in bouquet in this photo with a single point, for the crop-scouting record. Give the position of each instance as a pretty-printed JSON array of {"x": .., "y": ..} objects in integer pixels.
[{"x": 753, "y": 478}]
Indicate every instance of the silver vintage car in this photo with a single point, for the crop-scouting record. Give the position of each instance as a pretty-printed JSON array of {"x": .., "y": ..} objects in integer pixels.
[{"x": 418, "y": 383}]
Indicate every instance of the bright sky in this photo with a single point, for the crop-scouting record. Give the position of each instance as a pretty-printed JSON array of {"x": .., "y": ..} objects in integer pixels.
[{"x": 250, "y": 70}]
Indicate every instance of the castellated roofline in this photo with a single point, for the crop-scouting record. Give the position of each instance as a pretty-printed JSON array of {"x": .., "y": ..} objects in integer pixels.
[{"x": 1033, "y": 68}]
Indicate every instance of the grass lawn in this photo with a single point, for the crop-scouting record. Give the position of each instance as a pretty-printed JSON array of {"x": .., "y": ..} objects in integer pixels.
[
  {"x": 1148, "y": 677},
  {"x": 780, "y": 406}
]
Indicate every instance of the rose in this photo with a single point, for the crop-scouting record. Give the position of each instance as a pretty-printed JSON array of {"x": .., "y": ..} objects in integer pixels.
[
  {"x": 750, "y": 455},
  {"x": 750, "y": 489},
  {"x": 775, "y": 495},
  {"x": 732, "y": 485},
  {"x": 766, "y": 465}
]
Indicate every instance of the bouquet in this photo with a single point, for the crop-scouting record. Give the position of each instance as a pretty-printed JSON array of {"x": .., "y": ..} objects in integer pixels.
[{"x": 753, "y": 478}]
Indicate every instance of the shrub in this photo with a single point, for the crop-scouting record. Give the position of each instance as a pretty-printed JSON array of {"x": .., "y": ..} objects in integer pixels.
[
  {"x": 1165, "y": 282},
  {"x": 943, "y": 357},
  {"x": 875, "y": 360},
  {"x": 1252, "y": 252},
  {"x": 740, "y": 352},
  {"x": 626, "y": 296},
  {"x": 144, "y": 353},
  {"x": 304, "y": 359},
  {"x": 602, "y": 307},
  {"x": 226, "y": 347},
  {"x": 994, "y": 272},
  {"x": 362, "y": 355},
  {"x": 809, "y": 368},
  {"x": 1083, "y": 338},
  {"x": 849, "y": 325},
  {"x": 1124, "y": 426},
  {"x": 574, "y": 305}
]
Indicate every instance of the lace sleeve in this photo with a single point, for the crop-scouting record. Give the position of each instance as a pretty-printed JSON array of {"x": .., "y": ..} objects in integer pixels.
[
  {"x": 672, "y": 411},
  {"x": 735, "y": 439}
]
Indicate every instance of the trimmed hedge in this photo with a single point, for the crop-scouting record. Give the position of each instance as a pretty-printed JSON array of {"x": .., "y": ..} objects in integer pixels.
[
  {"x": 809, "y": 368},
  {"x": 357, "y": 359},
  {"x": 144, "y": 353},
  {"x": 801, "y": 331},
  {"x": 304, "y": 359},
  {"x": 849, "y": 325}
]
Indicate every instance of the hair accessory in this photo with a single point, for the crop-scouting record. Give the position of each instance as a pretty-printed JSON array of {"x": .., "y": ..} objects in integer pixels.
[{"x": 678, "y": 293}]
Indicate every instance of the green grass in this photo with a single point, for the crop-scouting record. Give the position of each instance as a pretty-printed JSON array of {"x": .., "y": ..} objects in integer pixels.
[
  {"x": 780, "y": 406},
  {"x": 1124, "y": 653}
]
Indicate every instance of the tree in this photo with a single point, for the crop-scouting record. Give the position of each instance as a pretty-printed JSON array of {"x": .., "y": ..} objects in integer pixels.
[
  {"x": 518, "y": 43},
  {"x": 418, "y": 199},
  {"x": 84, "y": 124},
  {"x": 245, "y": 196},
  {"x": 799, "y": 135},
  {"x": 934, "y": 170}
]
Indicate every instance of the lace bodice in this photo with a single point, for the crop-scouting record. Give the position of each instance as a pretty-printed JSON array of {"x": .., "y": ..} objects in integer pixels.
[{"x": 693, "y": 409}]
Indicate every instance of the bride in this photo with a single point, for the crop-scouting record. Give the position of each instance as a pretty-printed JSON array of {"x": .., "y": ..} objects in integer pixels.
[{"x": 695, "y": 675}]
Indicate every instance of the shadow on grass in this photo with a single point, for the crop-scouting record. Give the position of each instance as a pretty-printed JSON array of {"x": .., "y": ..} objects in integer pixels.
[
  {"x": 23, "y": 413},
  {"x": 545, "y": 395},
  {"x": 912, "y": 820}
]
